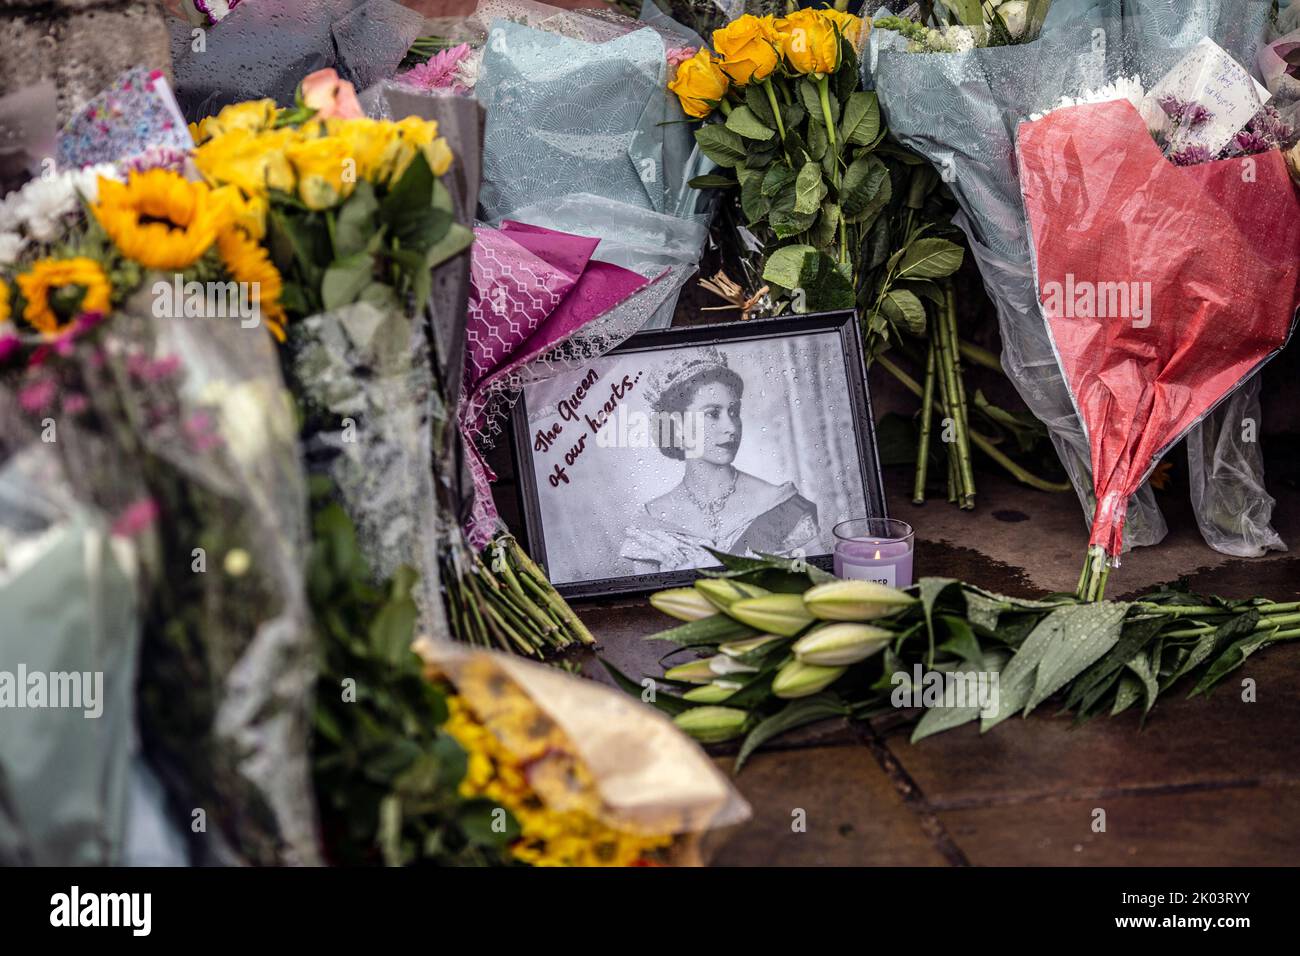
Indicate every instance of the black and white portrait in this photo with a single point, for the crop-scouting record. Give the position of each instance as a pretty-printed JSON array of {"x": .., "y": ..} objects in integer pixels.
[{"x": 643, "y": 458}]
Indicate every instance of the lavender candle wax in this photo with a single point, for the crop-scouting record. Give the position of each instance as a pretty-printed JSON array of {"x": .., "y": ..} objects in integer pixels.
[{"x": 874, "y": 549}]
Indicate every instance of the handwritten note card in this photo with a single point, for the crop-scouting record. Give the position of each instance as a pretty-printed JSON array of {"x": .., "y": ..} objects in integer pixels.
[{"x": 1210, "y": 77}]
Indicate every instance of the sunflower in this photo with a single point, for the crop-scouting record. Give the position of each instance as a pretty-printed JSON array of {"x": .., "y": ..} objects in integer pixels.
[
  {"x": 66, "y": 287},
  {"x": 160, "y": 219},
  {"x": 246, "y": 261}
]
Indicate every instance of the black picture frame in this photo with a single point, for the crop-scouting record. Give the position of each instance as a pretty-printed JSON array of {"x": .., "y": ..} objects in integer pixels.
[{"x": 845, "y": 323}]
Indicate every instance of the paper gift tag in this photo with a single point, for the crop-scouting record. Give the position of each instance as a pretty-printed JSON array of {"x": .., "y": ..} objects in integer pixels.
[
  {"x": 1209, "y": 77},
  {"x": 135, "y": 116}
]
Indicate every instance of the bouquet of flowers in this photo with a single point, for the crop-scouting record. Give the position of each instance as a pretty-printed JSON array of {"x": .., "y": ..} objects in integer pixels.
[
  {"x": 1149, "y": 344},
  {"x": 779, "y": 645},
  {"x": 172, "y": 436}
]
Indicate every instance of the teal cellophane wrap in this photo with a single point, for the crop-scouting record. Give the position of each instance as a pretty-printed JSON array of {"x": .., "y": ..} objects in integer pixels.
[{"x": 590, "y": 116}]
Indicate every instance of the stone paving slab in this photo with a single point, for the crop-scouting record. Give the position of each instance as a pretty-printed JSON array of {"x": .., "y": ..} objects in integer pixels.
[
  {"x": 1235, "y": 826},
  {"x": 851, "y": 812}
]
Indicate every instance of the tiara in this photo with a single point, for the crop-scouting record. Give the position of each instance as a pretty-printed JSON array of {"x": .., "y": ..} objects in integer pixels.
[{"x": 675, "y": 371}]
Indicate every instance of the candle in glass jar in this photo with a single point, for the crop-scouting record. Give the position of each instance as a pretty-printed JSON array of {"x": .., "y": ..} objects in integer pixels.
[{"x": 874, "y": 549}]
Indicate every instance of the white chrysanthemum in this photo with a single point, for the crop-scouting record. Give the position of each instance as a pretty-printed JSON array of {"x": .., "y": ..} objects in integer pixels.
[
  {"x": 1123, "y": 88},
  {"x": 41, "y": 205},
  {"x": 11, "y": 246}
]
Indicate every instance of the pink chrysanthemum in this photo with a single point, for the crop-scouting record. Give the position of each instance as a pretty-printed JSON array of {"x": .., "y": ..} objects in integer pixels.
[{"x": 439, "y": 73}]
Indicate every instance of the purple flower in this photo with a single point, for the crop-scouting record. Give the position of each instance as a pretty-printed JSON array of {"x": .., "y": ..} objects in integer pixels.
[
  {"x": 1184, "y": 112},
  {"x": 1191, "y": 156}
]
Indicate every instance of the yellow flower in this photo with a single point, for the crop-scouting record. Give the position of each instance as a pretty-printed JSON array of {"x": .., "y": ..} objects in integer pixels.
[
  {"x": 4, "y": 302},
  {"x": 748, "y": 48},
  {"x": 699, "y": 85},
  {"x": 409, "y": 136},
  {"x": 850, "y": 25},
  {"x": 367, "y": 141},
  {"x": 252, "y": 161},
  {"x": 326, "y": 170},
  {"x": 58, "y": 276},
  {"x": 252, "y": 115},
  {"x": 810, "y": 42},
  {"x": 248, "y": 214},
  {"x": 247, "y": 261},
  {"x": 160, "y": 219}
]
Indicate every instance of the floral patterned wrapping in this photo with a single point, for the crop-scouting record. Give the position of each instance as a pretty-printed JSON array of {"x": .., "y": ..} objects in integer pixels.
[{"x": 136, "y": 116}]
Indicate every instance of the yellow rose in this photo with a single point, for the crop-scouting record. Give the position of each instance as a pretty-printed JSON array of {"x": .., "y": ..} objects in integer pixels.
[
  {"x": 411, "y": 135},
  {"x": 326, "y": 168},
  {"x": 850, "y": 26},
  {"x": 253, "y": 115},
  {"x": 699, "y": 84},
  {"x": 809, "y": 42},
  {"x": 368, "y": 141},
  {"x": 748, "y": 48},
  {"x": 252, "y": 161}
]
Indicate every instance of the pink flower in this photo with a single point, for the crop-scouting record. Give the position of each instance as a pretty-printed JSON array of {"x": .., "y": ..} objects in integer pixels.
[
  {"x": 10, "y": 345},
  {"x": 75, "y": 404},
  {"x": 329, "y": 96},
  {"x": 37, "y": 396},
  {"x": 679, "y": 55},
  {"x": 136, "y": 518},
  {"x": 88, "y": 320},
  {"x": 162, "y": 369},
  {"x": 439, "y": 73}
]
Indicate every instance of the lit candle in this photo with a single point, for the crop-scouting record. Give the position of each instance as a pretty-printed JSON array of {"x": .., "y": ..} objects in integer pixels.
[{"x": 874, "y": 549}]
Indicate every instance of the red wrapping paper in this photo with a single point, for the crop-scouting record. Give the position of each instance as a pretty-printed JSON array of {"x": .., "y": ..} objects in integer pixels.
[{"x": 1208, "y": 256}]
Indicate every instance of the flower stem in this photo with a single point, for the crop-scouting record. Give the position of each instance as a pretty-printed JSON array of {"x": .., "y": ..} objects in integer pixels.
[
  {"x": 776, "y": 109},
  {"x": 923, "y": 446},
  {"x": 980, "y": 441}
]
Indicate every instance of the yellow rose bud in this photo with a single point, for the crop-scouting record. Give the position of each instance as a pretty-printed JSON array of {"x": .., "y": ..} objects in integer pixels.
[
  {"x": 748, "y": 48},
  {"x": 327, "y": 171},
  {"x": 850, "y": 26},
  {"x": 699, "y": 85},
  {"x": 810, "y": 42}
]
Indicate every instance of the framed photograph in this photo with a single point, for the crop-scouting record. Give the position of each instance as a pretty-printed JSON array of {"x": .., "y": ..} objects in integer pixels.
[{"x": 746, "y": 437}]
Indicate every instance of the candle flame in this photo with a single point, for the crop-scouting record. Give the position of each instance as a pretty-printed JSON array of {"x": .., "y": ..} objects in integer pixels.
[{"x": 877, "y": 554}]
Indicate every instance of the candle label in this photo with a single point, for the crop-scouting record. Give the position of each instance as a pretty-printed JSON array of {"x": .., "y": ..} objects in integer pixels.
[{"x": 881, "y": 574}]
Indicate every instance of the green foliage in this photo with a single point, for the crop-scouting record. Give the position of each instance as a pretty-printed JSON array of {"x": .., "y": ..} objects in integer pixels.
[{"x": 386, "y": 778}]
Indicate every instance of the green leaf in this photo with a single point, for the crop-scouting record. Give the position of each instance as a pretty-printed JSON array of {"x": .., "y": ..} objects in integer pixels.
[
  {"x": 938, "y": 719},
  {"x": 668, "y": 703},
  {"x": 826, "y": 286},
  {"x": 712, "y": 181},
  {"x": 819, "y": 143},
  {"x": 1230, "y": 660},
  {"x": 785, "y": 266},
  {"x": 1141, "y": 666},
  {"x": 743, "y": 122},
  {"x": 823, "y": 233},
  {"x": 861, "y": 122},
  {"x": 865, "y": 189},
  {"x": 759, "y": 105},
  {"x": 1060, "y": 647},
  {"x": 903, "y": 308},
  {"x": 721, "y": 145},
  {"x": 930, "y": 259},
  {"x": 457, "y": 240},
  {"x": 345, "y": 279},
  {"x": 777, "y": 178},
  {"x": 356, "y": 221},
  {"x": 785, "y": 220},
  {"x": 797, "y": 713},
  {"x": 752, "y": 201},
  {"x": 812, "y": 103},
  {"x": 809, "y": 189}
]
